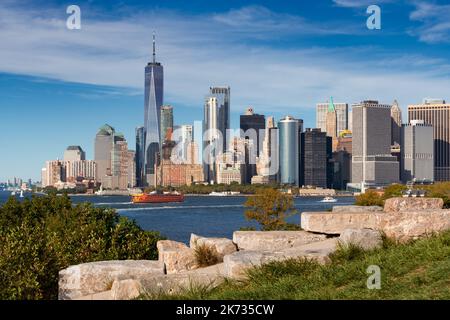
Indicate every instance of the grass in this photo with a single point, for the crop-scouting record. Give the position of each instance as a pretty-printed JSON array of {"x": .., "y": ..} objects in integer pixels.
[
  {"x": 417, "y": 270},
  {"x": 205, "y": 255}
]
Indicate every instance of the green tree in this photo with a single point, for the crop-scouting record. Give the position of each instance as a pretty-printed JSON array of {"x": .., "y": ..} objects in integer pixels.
[
  {"x": 394, "y": 190},
  {"x": 369, "y": 198},
  {"x": 270, "y": 208},
  {"x": 41, "y": 236}
]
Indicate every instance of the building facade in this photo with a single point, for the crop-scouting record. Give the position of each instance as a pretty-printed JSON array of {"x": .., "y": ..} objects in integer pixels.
[
  {"x": 372, "y": 162},
  {"x": 153, "y": 100},
  {"x": 315, "y": 153},
  {"x": 140, "y": 157},
  {"x": 342, "y": 116},
  {"x": 289, "y": 150},
  {"x": 166, "y": 123},
  {"x": 230, "y": 167},
  {"x": 74, "y": 153},
  {"x": 417, "y": 152},
  {"x": 437, "y": 114},
  {"x": 212, "y": 138},
  {"x": 222, "y": 94},
  {"x": 396, "y": 124}
]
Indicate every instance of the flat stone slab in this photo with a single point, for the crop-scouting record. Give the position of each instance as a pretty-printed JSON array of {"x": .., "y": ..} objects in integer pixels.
[
  {"x": 95, "y": 277},
  {"x": 238, "y": 263},
  {"x": 337, "y": 222},
  {"x": 176, "y": 256},
  {"x": 273, "y": 240},
  {"x": 412, "y": 225},
  {"x": 366, "y": 239},
  {"x": 400, "y": 204},
  {"x": 352, "y": 209},
  {"x": 222, "y": 246}
]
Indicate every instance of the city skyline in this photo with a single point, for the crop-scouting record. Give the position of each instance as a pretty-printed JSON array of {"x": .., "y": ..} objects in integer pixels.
[{"x": 69, "y": 107}]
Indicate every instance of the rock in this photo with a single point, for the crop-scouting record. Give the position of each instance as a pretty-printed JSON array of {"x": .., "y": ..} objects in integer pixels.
[
  {"x": 126, "y": 289},
  {"x": 168, "y": 245},
  {"x": 223, "y": 246},
  {"x": 105, "y": 295},
  {"x": 352, "y": 209},
  {"x": 412, "y": 204},
  {"x": 273, "y": 240},
  {"x": 174, "y": 283},
  {"x": 410, "y": 225},
  {"x": 336, "y": 223},
  {"x": 367, "y": 239},
  {"x": 238, "y": 263},
  {"x": 95, "y": 277}
]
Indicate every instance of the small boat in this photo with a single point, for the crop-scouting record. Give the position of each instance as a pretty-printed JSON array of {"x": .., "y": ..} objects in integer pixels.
[
  {"x": 224, "y": 193},
  {"x": 157, "y": 197},
  {"x": 328, "y": 199},
  {"x": 13, "y": 193}
]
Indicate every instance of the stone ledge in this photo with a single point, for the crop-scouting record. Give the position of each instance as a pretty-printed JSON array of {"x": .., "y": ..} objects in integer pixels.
[{"x": 400, "y": 204}]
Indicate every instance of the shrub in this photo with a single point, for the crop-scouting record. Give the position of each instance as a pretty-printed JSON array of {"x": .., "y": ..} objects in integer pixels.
[
  {"x": 41, "y": 236},
  {"x": 270, "y": 208},
  {"x": 370, "y": 198},
  {"x": 205, "y": 255}
]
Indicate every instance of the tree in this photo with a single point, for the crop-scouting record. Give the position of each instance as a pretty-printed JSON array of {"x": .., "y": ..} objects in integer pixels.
[
  {"x": 370, "y": 198},
  {"x": 270, "y": 208}
]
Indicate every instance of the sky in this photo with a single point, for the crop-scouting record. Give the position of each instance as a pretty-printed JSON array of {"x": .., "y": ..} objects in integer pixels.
[{"x": 58, "y": 86}]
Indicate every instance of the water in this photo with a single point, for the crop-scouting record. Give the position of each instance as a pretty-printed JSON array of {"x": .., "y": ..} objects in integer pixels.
[{"x": 204, "y": 215}]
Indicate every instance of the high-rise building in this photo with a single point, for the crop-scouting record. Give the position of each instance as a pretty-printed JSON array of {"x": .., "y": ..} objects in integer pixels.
[
  {"x": 252, "y": 126},
  {"x": 79, "y": 170},
  {"x": 267, "y": 163},
  {"x": 230, "y": 166},
  {"x": 131, "y": 169},
  {"x": 417, "y": 154},
  {"x": 289, "y": 150},
  {"x": 223, "y": 112},
  {"x": 53, "y": 172},
  {"x": 154, "y": 95},
  {"x": 166, "y": 123},
  {"x": 104, "y": 142},
  {"x": 74, "y": 153},
  {"x": 437, "y": 113},
  {"x": 342, "y": 120},
  {"x": 372, "y": 162},
  {"x": 212, "y": 138},
  {"x": 315, "y": 155},
  {"x": 140, "y": 156},
  {"x": 396, "y": 123}
]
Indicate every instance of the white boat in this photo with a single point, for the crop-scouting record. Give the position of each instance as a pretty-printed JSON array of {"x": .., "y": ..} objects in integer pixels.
[
  {"x": 328, "y": 199},
  {"x": 13, "y": 193},
  {"x": 218, "y": 194}
]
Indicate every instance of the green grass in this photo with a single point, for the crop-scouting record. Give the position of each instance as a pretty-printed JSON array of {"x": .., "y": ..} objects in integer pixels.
[{"x": 417, "y": 270}]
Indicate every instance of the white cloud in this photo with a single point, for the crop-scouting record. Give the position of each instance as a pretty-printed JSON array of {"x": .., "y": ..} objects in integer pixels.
[
  {"x": 359, "y": 3},
  {"x": 435, "y": 26},
  {"x": 231, "y": 48}
]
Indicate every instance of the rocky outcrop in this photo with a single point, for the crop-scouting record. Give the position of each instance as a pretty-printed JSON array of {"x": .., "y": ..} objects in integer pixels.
[
  {"x": 412, "y": 204},
  {"x": 273, "y": 240},
  {"x": 356, "y": 209},
  {"x": 366, "y": 239},
  {"x": 96, "y": 277},
  {"x": 410, "y": 225},
  {"x": 336, "y": 223},
  {"x": 238, "y": 263},
  {"x": 222, "y": 246},
  {"x": 176, "y": 256},
  {"x": 126, "y": 289}
]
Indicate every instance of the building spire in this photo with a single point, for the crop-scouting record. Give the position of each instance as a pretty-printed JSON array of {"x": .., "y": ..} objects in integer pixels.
[
  {"x": 331, "y": 107},
  {"x": 154, "y": 48}
]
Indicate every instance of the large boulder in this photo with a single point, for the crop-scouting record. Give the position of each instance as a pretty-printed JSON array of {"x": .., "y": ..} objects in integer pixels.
[
  {"x": 401, "y": 204},
  {"x": 273, "y": 240},
  {"x": 126, "y": 289},
  {"x": 96, "y": 277},
  {"x": 222, "y": 246},
  {"x": 410, "y": 225},
  {"x": 337, "y": 222},
  {"x": 366, "y": 239},
  {"x": 176, "y": 256},
  {"x": 238, "y": 263},
  {"x": 352, "y": 209}
]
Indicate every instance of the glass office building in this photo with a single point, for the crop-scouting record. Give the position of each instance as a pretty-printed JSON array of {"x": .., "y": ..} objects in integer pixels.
[
  {"x": 140, "y": 156},
  {"x": 289, "y": 133},
  {"x": 154, "y": 92}
]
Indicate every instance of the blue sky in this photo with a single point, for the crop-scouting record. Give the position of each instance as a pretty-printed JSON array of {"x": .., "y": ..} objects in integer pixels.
[{"x": 58, "y": 86}]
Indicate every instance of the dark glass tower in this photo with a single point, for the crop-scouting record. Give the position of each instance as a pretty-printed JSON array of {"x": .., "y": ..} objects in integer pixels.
[
  {"x": 140, "y": 156},
  {"x": 154, "y": 92}
]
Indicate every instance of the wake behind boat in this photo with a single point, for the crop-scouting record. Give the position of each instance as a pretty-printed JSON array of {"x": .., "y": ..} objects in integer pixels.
[{"x": 157, "y": 197}]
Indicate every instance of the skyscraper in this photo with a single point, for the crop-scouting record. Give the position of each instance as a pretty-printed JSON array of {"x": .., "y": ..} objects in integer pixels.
[
  {"x": 166, "y": 122},
  {"x": 436, "y": 113},
  {"x": 74, "y": 153},
  {"x": 212, "y": 138},
  {"x": 223, "y": 111},
  {"x": 154, "y": 95},
  {"x": 417, "y": 152},
  {"x": 289, "y": 147},
  {"x": 342, "y": 117},
  {"x": 315, "y": 155},
  {"x": 140, "y": 156},
  {"x": 372, "y": 163},
  {"x": 104, "y": 142},
  {"x": 396, "y": 123}
]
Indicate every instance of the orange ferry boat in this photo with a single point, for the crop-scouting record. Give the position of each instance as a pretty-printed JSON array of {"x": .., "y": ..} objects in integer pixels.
[{"x": 155, "y": 197}]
